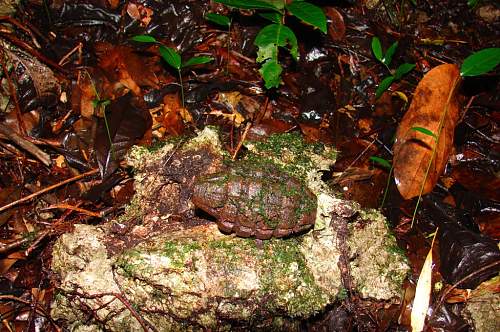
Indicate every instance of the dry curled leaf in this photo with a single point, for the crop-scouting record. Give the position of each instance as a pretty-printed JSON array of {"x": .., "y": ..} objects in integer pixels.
[
  {"x": 434, "y": 99},
  {"x": 122, "y": 65},
  {"x": 336, "y": 27}
]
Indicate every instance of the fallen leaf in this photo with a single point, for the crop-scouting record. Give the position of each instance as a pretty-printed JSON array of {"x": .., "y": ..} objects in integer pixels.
[
  {"x": 422, "y": 293},
  {"x": 336, "y": 27},
  {"x": 44, "y": 81},
  {"x": 126, "y": 123},
  {"x": 120, "y": 63},
  {"x": 172, "y": 115},
  {"x": 435, "y": 100}
]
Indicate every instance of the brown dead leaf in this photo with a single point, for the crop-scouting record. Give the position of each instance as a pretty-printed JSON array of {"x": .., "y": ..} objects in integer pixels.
[
  {"x": 122, "y": 65},
  {"x": 45, "y": 82},
  {"x": 336, "y": 28},
  {"x": 7, "y": 262},
  {"x": 140, "y": 13},
  {"x": 173, "y": 115},
  {"x": 434, "y": 98}
]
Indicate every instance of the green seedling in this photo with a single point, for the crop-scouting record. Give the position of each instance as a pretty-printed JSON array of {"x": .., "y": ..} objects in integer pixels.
[
  {"x": 224, "y": 21},
  {"x": 387, "y": 165},
  {"x": 481, "y": 62},
  {"x": 386, "y": 60},
  {"x": 472, "y": 3},
  {"x": 100, "y": 106},
  {"x": 277, "y": 34},
  {"x": 173, "y": 59}
]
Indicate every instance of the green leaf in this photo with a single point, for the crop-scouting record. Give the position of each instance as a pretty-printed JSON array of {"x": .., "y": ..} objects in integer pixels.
[
  {"x": 480, "y": 62},
  {"x": 269, "y": 51},
  {"x": 271, "y": 71},
  {"x": 404, "y": 69},
  {"x": 170, "y": 56},
  {"x": 197, "y": 60},
  {"x": 248, "y": 4},
  {"x": 386, "y": 60},
  {"x": 277, "y": 35},
  {"x": 144, "y": 39},
  {"x": 99, "y": 102},
  {"x": 472, "y": 3},
  {"x": 377, "y": 49},
  {"x": 218, "y": 19},
  {"x": 272, "y": 16},
  {"x": 414, "y": 2},
  {"x": 308, "y": 13},
  {"x": 381, "y": 161},
  {"x": 424, "y": 131},
  {"x": 384, "y": 85}
]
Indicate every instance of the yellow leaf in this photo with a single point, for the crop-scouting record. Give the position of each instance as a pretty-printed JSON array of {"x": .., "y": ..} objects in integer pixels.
[{"x": 422, "y": 293}]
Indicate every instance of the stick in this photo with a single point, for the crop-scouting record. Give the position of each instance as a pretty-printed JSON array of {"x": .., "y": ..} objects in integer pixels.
[
  {"x": 240, "y": 143},
  {"x": 25, "y": 144},
  {"x": 43, "y": 191}
]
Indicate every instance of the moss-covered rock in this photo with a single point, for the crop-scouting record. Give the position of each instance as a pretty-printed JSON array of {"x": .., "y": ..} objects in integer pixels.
[{"x": 189, "y": 276}]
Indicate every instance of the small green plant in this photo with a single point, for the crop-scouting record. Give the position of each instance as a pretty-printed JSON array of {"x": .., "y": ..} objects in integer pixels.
[
  {"x": 472, "y": 3},
  {"x": 386, "y": 60},
  {"x": 173, "y": 58},
  {"x": 224, "y": 21},
  {"x": 481, "y": 62},
  {"x": 387, "y": 165},
  {"x": 277, "y": 34},
  {"x": 100, "y": 107}
]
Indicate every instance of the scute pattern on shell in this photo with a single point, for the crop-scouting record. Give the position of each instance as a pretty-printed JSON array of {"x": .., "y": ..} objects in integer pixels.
[{"x": 256, "y": 201}]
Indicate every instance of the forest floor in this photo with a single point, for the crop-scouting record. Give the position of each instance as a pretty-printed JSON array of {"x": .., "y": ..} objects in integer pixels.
[{"x": 81, "y": 82}]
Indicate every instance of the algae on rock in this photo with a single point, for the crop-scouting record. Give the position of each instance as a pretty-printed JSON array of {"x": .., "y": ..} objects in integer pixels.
[{"x": 193, "y": 277}]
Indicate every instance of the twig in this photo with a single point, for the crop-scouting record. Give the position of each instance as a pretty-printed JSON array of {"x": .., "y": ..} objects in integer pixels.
[
  {"x": 77, "y": 48},
  {"x": 43, "y": 191},
  {"x": 240, "y": 143},
  {"x": 20, "y": 25},
  {"x": 73, "y": 208},
  {"x": 35, "y": 243},
  {"x": 28, "y": 48},
  {"x": 13, "y": 94},
  {"x": 470, "y": 275},
  {"x": 120, "y": 298},
  {"x": 25, "y": 144},
  {"x": 13, "y": 245}
]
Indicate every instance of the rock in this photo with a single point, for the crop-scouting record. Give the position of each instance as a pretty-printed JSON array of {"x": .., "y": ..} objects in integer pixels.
[{"x": 177, "y": 272}]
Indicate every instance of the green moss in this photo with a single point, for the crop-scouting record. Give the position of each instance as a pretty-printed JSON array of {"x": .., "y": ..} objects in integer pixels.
[
  {"x": 396, "y": 250},
  {"x": 129, "y": 262},
  {"x": 29, "y": 237},
  {"x": 178, "y": 252},
  {"x": 226, "y": 251},
  {"x": 291, "y": 150},
  {"x": 342, "y": 294},
  {"x": 285, "y": 268}
]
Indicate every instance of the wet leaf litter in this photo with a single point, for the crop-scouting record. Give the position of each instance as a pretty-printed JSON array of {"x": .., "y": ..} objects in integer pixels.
[{"x": 81, "y": 91}]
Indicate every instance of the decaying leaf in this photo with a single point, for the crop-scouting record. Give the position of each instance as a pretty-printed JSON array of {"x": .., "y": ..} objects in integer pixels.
[
  {"x": 336, "y": 28},
  {"x": 126, "y": 123},
  {"x": 121, "y": 64},
  {"x": 435, "y": 100},
  {"x": 44, "y": 81},
  {"x": 237, "y": 107},
  {"x": 174, "y": 115}
]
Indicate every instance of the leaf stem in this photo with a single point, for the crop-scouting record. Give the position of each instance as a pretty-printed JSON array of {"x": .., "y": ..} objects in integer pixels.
[
  {"x": 386, "y": 191},
  {"x": 228, "y": 48},
  {"x": 182, "y": 86}
]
